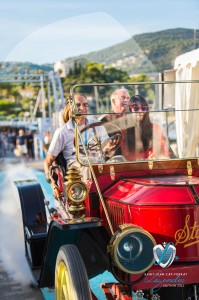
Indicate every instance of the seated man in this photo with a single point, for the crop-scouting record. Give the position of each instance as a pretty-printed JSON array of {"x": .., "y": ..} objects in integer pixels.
[
  {"x": 63, "y": 138},
  {"x": 119, "y": 117},
  {"x": 63, "y": 142}
]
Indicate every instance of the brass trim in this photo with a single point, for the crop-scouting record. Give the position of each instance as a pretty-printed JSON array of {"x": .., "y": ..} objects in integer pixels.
[
  {"x": 73, "y": 175},
  {"x": 100, "y": 168},
  {"x": 150, "y": 164},
  {"x": 125, "y": 229},
  {"x": 74, "y": 209},
  {"x": 189, "y": 168},
  {"x": 112, "y": 172},
  {"x": 84, "y": 191},
  {"x": 77, "y": 134},
  {"x": 143, "y": 166}
]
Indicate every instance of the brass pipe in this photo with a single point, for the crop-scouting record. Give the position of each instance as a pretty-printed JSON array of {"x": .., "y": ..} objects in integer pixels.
[{"x": 77, "y": 134}]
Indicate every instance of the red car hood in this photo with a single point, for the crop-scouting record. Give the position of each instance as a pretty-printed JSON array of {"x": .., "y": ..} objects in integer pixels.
[{"x": 164, "y": 190}]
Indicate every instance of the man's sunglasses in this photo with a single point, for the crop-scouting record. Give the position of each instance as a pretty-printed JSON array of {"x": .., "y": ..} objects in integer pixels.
[
  {"x": 81, "y": 104},
  {"x": 139, "y": 107}
]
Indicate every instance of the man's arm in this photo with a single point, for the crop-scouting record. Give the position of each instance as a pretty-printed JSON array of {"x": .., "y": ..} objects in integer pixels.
[{"x": 47, "y": 164}]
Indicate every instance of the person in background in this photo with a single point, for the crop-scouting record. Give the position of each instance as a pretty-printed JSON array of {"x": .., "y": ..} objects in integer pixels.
[
  {"x": 119, "y": 103},
  {"x": 3, "y": 144},
  {"x": 120, "y": 100},
  {"x": 21, "y": 143},
  {"x": 11, "y": 139},
  {"x": 120, "y": 106},
  {"x": 30, "y": 145},
  {"x": 47, "y": 139}
]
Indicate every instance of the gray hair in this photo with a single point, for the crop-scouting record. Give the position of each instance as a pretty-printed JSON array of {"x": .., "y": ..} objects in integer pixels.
[{"x": 114, "y": 93}]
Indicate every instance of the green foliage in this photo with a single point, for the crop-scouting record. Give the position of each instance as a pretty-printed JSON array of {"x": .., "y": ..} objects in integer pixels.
[
  {"x": 25, "y": 102},
  {"x": 7, "y": 104},
  {"x": 146, "y": 90},
  {"x": 12, "y": 116},
  {"x": 21, "y": 114},
  {"x": 8, "y": 107},
  {"x": 115, "y": 75},
  {"x": 3, "y": 113},
  {"x": 92, "y": 72}
]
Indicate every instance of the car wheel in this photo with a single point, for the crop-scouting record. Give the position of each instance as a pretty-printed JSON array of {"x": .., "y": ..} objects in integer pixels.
[{"x": 71, "y": 280}]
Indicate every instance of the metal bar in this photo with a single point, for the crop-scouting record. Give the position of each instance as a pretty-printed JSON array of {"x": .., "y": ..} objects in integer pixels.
[{"x": 17, "y": 78}]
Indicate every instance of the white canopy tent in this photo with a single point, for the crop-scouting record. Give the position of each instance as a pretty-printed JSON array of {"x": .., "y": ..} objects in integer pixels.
[{"x": 187, "y": 97}]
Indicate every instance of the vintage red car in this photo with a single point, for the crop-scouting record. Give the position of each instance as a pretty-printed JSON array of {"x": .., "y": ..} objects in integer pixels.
[{"x": 128, "y": 203}]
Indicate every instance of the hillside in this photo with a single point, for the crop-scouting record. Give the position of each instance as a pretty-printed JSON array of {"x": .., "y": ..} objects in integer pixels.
[
  {"x": 23, "y": 68},
  {"x": 143, "y": 53},
  {"x": 148, "y": 52},
  {"x": 163, "y": 47}
]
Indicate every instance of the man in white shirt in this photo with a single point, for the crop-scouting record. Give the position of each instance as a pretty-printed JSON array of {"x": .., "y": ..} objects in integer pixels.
[{"x": 63, "y": 138}]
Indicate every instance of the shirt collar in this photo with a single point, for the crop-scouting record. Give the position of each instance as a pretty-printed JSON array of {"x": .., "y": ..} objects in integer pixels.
[{"x": 70, "y": 125}]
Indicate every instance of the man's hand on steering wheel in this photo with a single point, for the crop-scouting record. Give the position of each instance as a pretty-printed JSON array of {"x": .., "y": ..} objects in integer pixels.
[
  {"x": 108, "y": 146},
  {"x": 111, "y": 144}
]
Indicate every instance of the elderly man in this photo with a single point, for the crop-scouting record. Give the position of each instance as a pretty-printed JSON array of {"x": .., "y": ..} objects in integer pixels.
[
  {"x": 120, "y": 106},
  {"x": 120, "y": 100}
]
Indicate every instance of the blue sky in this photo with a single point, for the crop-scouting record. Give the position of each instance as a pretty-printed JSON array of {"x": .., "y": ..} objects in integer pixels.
[{"x": 42, "y": 31}]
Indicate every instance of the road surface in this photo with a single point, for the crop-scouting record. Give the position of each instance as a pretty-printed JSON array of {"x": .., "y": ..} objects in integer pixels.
[{"x": 9, "y": 288}]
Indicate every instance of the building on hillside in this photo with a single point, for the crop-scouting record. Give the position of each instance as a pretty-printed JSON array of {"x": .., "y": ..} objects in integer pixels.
[
  {"x": 27, "y": 93},
  {"x": 62, "y": 67}
]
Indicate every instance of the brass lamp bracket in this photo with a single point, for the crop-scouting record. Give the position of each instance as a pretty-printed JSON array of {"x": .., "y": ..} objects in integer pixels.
[
  {"x": 189, "y": 168},
  {"x": 112, "y": 172},
  {"x": 150, "y": 164}
]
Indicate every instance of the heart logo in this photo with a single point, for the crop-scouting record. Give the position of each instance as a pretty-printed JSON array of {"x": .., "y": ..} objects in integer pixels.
[{"x": 164, "y": 256}]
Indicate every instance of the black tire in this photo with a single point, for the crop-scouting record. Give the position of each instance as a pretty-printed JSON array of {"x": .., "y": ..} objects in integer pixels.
[{"x": 71, "y": 280}]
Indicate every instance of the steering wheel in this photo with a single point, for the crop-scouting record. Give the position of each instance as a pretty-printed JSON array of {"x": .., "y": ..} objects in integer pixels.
[{"x": 95, "y": 143}]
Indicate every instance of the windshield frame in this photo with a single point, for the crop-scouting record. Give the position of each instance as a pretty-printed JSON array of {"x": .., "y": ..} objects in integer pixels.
[{"x": 163, "y": 109}]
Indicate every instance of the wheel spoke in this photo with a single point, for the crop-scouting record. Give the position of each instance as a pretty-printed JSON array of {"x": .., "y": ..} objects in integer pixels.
[{"x": 65, "y": 292}]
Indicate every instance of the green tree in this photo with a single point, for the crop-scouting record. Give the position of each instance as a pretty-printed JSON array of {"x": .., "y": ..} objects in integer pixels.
[
  {"x": 115, "y": 75},
  {"x": 15, "y": 93},
  {"x": 8, "y": 107},
  {"x": 145, "y": 90},
  {"x": 92, "y": 72}
]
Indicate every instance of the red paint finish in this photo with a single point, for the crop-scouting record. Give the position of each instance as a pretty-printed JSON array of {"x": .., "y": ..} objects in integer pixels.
[
  {"x": 179, "y": 225},
  {"x": 165, "y": 206},
  {"x": 152, "y": 192}
]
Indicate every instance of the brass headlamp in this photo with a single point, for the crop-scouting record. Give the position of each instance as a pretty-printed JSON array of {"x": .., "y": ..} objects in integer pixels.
[
  {"x": 76, "y": 191},
  {"x": 131, "y": 249}
]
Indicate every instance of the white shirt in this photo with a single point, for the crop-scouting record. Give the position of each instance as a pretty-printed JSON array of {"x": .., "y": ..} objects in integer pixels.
[{"x": 63, "y": 139}]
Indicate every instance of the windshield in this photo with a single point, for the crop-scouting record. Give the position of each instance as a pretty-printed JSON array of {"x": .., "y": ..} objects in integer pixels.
[{"x": 139, "y": 121}]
